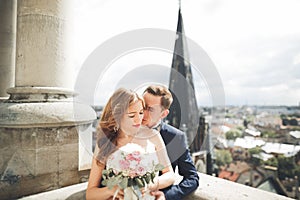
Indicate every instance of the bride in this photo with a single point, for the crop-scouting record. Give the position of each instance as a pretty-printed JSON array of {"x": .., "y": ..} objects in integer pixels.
[{"x": 121, "y": 137}]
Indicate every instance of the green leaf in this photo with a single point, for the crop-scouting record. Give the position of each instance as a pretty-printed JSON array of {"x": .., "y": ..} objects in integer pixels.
[
  {"x": 104, "y": 172},
  {"x": 104, "y": 182},
  {"x": 139, "y": 182},
  {"x": 124, "y": 183},
  {"x": 130, "y": 182},
  {"x": 159, "y": 167},
  {"x": 111, "y": 173},
  {"x": 147, "y": 177},
  {"x": 112, "y": 182}
]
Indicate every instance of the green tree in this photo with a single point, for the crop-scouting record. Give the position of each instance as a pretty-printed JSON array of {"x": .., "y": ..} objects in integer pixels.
[
  {"x": 233, "y": 134},
  {"x": 287, "y": 167},
  {"x": 223, "y": 157},
  {"x": 241, "y": 128},
  {"x": 268, "y": 134},
  {"x": 282, "y": 116},
  {"x": 255, "y": 150},
  {"x": 272, "y": 162},
  {"x": 255, "y": 160}
]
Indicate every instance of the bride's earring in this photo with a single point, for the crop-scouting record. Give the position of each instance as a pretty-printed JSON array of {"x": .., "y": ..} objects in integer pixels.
[{"x": 116, "y": 128}]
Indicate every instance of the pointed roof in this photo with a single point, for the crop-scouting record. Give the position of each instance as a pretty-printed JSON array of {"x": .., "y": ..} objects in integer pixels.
[
  {"x": 184, "y": 110},
  {"x": 272, "y": 184},
  {"x": 181, "y": 56}
]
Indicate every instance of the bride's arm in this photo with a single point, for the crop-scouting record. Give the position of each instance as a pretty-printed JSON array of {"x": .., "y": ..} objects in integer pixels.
[
  {"x": 93, "y": 191},
  {"x": 168, "y": 177}
]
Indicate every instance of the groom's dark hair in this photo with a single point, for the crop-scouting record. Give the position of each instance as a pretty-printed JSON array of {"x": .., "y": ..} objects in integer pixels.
[{"x": 163, "y": 92}]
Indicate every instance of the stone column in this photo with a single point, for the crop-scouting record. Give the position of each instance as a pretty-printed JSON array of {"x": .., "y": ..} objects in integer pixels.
[
  {"x": 42, "y": 56},
  {"x": 8, "y": 16},
  {"x": 40, "y": 123}
]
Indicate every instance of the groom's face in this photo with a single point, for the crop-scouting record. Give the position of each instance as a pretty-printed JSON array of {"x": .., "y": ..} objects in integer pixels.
[{"x": 153, "y": 112}]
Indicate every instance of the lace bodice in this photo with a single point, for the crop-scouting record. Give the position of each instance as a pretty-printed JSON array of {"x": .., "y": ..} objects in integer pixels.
[{"x": 133, "y": 159}]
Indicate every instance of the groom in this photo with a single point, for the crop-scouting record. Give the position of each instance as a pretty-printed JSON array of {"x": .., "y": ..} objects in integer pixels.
[{"x": 158, "y": 100}]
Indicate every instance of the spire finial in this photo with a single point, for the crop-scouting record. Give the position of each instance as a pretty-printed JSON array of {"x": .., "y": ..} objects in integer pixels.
[{"x": 179, "y": 2}]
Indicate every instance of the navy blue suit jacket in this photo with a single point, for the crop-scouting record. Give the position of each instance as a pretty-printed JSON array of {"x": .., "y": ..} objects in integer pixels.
[{"x": 179, "y": 155}]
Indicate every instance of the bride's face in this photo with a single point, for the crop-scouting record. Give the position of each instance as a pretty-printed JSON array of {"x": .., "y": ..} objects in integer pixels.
[{"x": 132, "y": 120}]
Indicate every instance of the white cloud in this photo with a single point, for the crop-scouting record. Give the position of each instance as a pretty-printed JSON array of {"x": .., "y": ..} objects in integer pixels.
[{"x": 254, "y": 44}]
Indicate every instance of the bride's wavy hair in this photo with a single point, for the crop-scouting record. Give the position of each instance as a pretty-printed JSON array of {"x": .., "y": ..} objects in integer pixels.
[{"x": 109, "y": 124}]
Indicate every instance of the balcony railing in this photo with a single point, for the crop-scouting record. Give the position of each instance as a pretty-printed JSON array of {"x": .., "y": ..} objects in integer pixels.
[
  {"x": 220, "y": 189},
  {"x": 210, "y": 188}
]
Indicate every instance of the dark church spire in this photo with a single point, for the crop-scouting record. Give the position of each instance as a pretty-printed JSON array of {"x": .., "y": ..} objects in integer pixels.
[{"x": 184, "y": 110}]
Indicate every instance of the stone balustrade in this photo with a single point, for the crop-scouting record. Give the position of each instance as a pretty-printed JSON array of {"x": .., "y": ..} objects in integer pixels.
[{"x": 210, "y": 188}]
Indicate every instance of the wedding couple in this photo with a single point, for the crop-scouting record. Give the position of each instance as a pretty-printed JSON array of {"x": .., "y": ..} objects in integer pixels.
[{"x": 127, "y": 123}]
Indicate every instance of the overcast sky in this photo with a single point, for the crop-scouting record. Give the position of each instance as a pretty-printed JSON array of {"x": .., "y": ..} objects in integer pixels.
[{"x": 254, "y": 45}]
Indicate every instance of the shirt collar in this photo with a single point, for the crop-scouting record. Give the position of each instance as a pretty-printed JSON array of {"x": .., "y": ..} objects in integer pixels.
[{"x": 157, "y": 126}]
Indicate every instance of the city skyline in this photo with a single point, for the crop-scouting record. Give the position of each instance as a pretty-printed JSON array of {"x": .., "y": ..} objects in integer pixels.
[{"x": 254, "y": 45}]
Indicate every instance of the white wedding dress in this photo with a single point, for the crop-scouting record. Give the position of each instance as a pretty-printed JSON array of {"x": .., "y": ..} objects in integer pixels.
[{"x": 134, "y": 160}]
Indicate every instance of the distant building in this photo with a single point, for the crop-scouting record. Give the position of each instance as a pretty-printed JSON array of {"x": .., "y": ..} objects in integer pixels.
[
  {"x": 253, "y": 133},
  {"x": 242, "y": 173},
  {"x": 184, "y": 112},
  {"x": 272, "y": 184},
  {"x": 248, "y": 142},
  {"x": 281, "y": 149},
  {"x": 294, "y": 137},
  {"x": 295, "y": 134}
]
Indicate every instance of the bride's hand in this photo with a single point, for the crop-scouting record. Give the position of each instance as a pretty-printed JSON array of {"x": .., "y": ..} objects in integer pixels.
[
  {"x": 143, "y": 191},
  {"x": 119, "y": 195},
  {"x": 154, "y": 186},
  {"x": 158, "y": 195}
]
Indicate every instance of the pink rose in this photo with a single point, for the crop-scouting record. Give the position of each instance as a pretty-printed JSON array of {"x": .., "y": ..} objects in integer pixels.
[
  {"x": 124, "y": 164},
  {"x": 130, "y": 157},
  {"x": 140, "y": 170},
  {"x": 136, "y": 155}
]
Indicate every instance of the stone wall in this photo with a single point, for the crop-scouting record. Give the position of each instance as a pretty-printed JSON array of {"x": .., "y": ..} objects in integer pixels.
[{"x": 35, "y": 160}]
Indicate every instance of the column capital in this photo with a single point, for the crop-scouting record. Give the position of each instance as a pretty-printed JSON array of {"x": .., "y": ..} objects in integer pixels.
[
  {"x": 41, "y": 114},
  {"x": 40, "y": 94}
]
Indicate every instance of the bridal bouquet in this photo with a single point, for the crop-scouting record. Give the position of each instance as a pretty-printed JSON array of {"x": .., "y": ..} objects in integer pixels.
[{"x": 131, "y": 168}]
